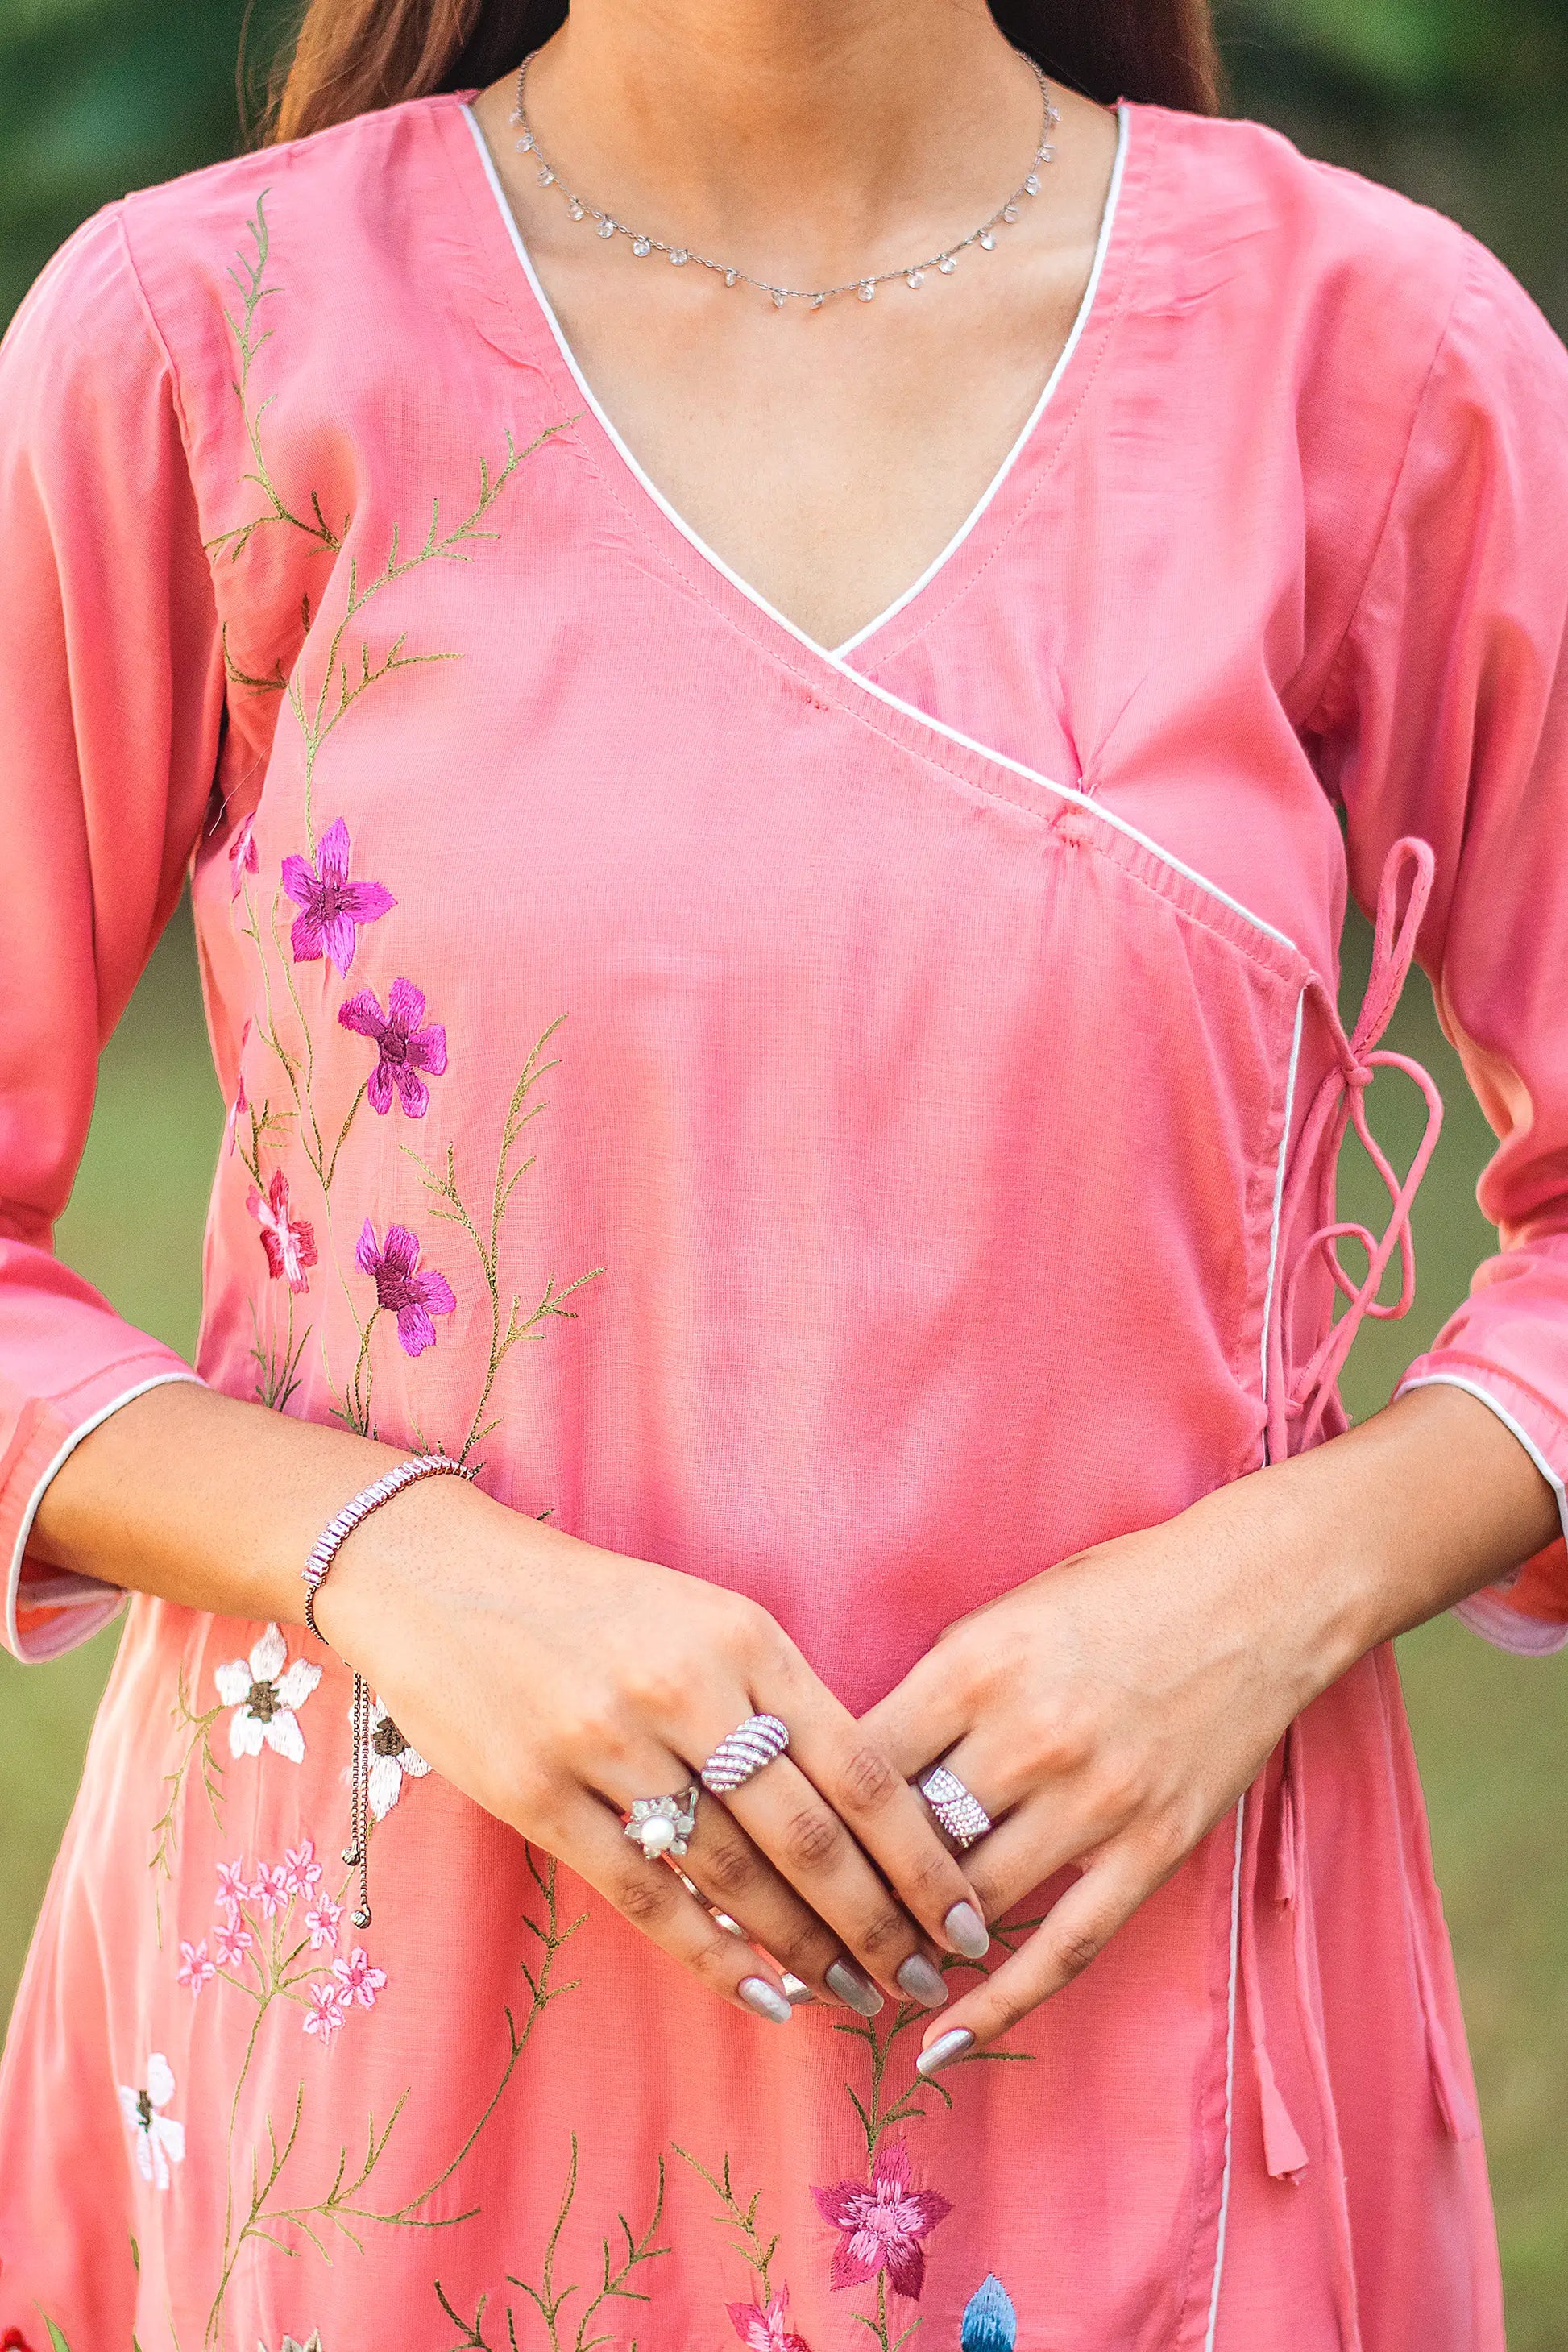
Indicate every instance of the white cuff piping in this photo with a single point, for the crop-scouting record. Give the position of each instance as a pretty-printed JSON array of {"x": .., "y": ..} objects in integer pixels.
[
  {"x": 1506, "y": 1628},
  {"x": 74, "y": 1592}
]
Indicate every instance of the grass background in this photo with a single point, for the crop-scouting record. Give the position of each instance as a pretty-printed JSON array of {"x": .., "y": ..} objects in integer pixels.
[{"x": 1463, "y": 103}]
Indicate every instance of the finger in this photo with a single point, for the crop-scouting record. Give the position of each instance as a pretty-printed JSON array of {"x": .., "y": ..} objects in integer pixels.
[
  {"x": 807, "y": 1839},
  {"x": 872, "y": 1799},
  {"x": 1075, "y": 1932},
  {"x": 919, "y": 1717},
  {"x": 728, "y": 1870},
  {"x": 587, "y": 1834}
]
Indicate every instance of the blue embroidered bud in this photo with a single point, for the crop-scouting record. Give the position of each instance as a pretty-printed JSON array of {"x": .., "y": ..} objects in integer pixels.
[{"x": 990, "y": 2322}]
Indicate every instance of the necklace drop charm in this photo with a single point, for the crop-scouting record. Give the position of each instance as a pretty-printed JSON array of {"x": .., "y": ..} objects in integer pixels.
[
  {"x": 776, "y": 296},
  {"x": 947, "y": 264},
  {"x": 1009, "y": 212},
  {"x": 574, "y": 210},
  {"x": 987, "y": 240},
  {"x": 867, "y": 290},
  {"x": 641, "y": 246},
  {"x": 1032, "y": 185},
  {"x": 731, "y": 275},
  {"x": 545, "y": 175},
  {"x": 914, "y": 279},
  {"x": 679, "y": 256},
  {"x": 606, "y": 227}
]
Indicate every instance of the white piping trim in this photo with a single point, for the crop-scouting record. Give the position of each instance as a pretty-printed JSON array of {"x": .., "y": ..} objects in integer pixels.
[
  {"x": 1473, "y": 1388},
  {"x": 754, "y": 596},
  {"x": 1279, "y": 1197},
  {"x": 1102, "y": 247},
  {"x": 1229, "y": 2075},
  {"x": 782, "y": 620},
  {"x": 87, "y": 1587}
]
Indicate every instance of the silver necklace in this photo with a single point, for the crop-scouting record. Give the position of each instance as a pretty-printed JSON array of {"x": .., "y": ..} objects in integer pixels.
[{"x": 913, "y": 275}]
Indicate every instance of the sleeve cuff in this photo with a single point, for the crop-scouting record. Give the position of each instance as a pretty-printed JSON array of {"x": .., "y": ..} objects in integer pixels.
[
  {"x": 1526, "y": 1612},
  {"x": 50, "y": 1611}
]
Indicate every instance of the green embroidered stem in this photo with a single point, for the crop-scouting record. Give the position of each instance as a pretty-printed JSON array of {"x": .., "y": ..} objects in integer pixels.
[
  {"x": 613, "y": 2284},
  {"x": 740, "y": 2218},
  {"x": 277, "y": 1377},
  {"x": 447, "y": 1205},
  {"x": 166, "y": 1830}
]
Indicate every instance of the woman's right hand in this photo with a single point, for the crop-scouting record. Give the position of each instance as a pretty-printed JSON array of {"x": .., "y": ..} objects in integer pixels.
[{"x": 554, "y": 1682}]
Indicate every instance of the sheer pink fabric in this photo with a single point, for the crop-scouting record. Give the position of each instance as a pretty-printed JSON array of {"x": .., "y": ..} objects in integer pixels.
[{"x": 915, "y": 1070}]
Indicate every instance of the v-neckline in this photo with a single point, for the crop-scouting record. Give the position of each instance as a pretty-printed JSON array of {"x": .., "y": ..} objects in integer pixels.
[{"x": 838, "y": 654}]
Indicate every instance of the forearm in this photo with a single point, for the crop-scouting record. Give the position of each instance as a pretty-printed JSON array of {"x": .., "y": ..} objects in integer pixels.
[
  {"x": 206, "y": 1500},
  {"x": 1391, "y": 1523}
]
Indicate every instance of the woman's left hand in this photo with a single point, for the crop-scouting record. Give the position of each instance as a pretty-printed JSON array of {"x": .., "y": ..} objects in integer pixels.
[{"x": 1109, "y": 1711}]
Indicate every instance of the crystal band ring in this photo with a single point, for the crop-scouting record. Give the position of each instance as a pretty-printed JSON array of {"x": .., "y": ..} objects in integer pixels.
[
  {"x": 749, "y": 1747},
  {"x": 663, "y": 1824},
  {"x": 958, "y": 1809}
]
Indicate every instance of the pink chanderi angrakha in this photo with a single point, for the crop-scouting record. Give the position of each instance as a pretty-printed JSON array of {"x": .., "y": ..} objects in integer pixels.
[{"x": 915, "y": 1069}]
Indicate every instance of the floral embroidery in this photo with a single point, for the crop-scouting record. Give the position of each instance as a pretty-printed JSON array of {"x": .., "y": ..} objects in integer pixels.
[
  {"x": 290, "y": 1243},
  {"x": 326, "y": 2011},
  {"x": 321, "y": 1922},
  {"x": 265, "y": 1692},
  {"x": 882, "y": 2223},
  {"x": 990, "y": 2322},
  {"x": 195, "y": 1969},
  {"x": 231, "y": 1941},
  {"x": 15, "y": 2341},
  {"x": 160, "y": 2140},
  {"x": 331, "y": 908},
  {"x": 391, "y": 1758},
  {"x": 301, "y": 1871},
  {"x": 233, "y": 1886},
  {"x": 763, "y": 2326},
  {"x": 413, "y": 1297},
  {"x": 271, "y": 1888},
  {"x": 292, "y": 2344},
  {"x": 359, "y": 1981},
  {"x": 242, "y": 856},
  {"x": 404, "y": 1049}
]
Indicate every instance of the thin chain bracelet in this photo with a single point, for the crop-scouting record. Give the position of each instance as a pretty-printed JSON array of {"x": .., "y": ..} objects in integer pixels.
[{"x": 323, "y": 1552}]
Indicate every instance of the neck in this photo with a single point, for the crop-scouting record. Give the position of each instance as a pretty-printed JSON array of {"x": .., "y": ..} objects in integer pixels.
[{"x": 810, "y": 129}]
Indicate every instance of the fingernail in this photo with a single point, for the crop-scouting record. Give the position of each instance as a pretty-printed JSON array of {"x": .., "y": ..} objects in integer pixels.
[
  {"x": 855, "y": 1992},
  {"x": 921, "y": 1981},
  {"x": 758, "y": 1994},
  {"x": 946, "y": 2047},
  {"x": 796, "y": 1989},
  {"x": 967, "y": 1931}
]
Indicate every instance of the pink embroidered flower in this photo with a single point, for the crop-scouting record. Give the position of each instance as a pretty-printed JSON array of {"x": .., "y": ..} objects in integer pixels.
[
  {"x": 411, "y": 1296},
  {"x": 233, "y": 1886},
  {"x": 237, "y": 1111},
  {"x": 271, "y": 1888},
  {"x": 359, "y": 1981},
  {"x": 322, "y": 1919},
  {"x": 290, "y": 1242},
  {"x": 763, "y": 2328},
  {"x": 195, "y": 1969},
  {"x": 242, "y": 857},
  {"x": 231, "y": 1941},
  {"x": 301, "y": 1871},
  {"x": 331, "y": 907},
  {"x": 881, "y": 2223},
  {"x": 326, "y": 2011},
  {"x": 405, "y": 1048}
]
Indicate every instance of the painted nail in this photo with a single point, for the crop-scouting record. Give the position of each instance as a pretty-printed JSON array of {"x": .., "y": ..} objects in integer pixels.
[
  {"x": 946, "y": 2046},
  {"x": 967, "y": 1931},
  {"x": 758, "y": 1994},
  {"x": 921, "y": 1981},
  {"x": 855, "y": 1992},
  {"x": 796, "y": 1989}
]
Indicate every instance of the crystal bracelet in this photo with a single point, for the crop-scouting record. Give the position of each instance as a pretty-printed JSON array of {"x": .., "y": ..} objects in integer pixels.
[{"x": 323, "y": 1552}]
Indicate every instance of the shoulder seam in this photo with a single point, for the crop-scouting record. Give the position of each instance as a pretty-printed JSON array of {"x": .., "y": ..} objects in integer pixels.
[{"x": 160, "y": 340}]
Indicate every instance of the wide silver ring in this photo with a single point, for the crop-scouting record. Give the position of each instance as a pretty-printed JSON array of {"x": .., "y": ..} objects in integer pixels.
[
  {"x": 750, "y": 1745},
  {"x": 958, "y": 1809},
  {"x": 663, "y": 1824}
]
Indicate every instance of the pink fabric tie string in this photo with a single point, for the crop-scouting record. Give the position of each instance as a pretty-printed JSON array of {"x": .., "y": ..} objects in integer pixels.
[{"x": 1297, "y": 1402}]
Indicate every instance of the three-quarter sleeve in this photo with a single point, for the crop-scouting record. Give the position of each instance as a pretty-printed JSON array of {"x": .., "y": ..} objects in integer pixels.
[
  {"x": 111, "y": 702},
  {"x": 1446, "y": 715}
]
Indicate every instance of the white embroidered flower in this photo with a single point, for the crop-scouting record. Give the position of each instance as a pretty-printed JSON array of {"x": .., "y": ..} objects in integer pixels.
[
  {"x": 264, "y": 1693},
  {"x": 291, "y": 2343},
  {"x": 160, "y": 2140},
  {"x": 391, "y": 1760}
]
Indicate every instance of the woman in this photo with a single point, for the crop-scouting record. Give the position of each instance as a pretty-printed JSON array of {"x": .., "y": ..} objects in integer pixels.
[{"x": 772, "y": 643}]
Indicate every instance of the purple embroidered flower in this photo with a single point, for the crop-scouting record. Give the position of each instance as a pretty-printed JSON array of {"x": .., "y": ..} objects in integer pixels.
[
  {"x": 405, "y": 1292},
  {"x": 242, "y": 857},
  {"x": 881, "y": 2223},
  {"x": 331, "y": 906},
  {"x": 406, "y": 1049},
  {"x": 764, "y": 2327}
]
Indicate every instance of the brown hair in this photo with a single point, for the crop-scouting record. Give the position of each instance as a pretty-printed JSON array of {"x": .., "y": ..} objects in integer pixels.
[{"x": 353, "y": 56}]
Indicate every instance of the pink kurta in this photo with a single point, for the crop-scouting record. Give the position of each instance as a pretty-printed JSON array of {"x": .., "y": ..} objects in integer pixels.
[{"x": 937, "y": 1082}]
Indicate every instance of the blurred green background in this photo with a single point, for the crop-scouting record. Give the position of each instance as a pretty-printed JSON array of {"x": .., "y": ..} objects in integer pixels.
[{"x": 1462, "y": 104}]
